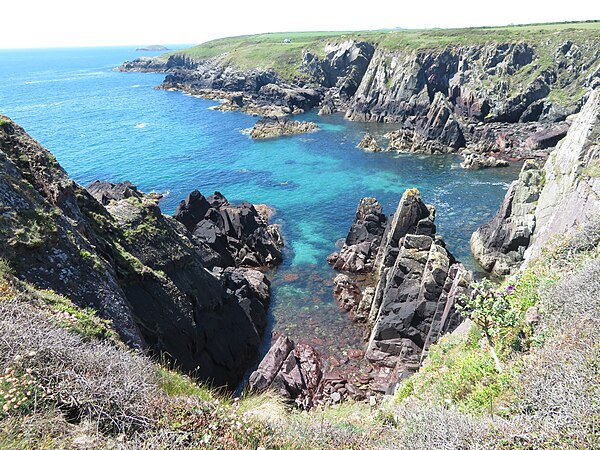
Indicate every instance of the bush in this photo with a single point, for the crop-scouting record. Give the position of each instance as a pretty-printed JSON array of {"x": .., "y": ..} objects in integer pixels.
[{"x": 87, "y": 380}]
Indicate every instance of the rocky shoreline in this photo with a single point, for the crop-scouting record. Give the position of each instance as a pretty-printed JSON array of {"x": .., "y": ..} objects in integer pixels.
[
  {"x": 271, "y": 127},
  {"x": 468, "y": 98}
]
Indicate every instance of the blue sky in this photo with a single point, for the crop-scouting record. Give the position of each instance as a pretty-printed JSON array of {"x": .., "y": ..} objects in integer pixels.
[{"x": 69, "y": 23}]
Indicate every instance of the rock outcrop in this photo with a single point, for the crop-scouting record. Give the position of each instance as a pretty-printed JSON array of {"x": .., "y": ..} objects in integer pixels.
[
  {"x": 361, "y": 245},
  {"x": 547, "y": 202},
  {"x": 270, "y": 127},
  {"x": 239, "y": 235},
  {"x": 438, "y": 95},
  {"x": 499, "y": 244},
  {"x": 114, "y": 251},
  {"x": 292, "y": 370},
  {"x": 474, "y": 161},
  {"x": 369, "y": 143},
  {"x": 407, "y": 303}
]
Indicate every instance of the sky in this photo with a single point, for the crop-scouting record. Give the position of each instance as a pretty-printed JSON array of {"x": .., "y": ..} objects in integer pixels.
[{"x": 80, "y": 23}]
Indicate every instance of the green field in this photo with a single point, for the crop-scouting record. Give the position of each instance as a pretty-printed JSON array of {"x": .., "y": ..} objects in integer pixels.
[{"x": 268, "y": 51}]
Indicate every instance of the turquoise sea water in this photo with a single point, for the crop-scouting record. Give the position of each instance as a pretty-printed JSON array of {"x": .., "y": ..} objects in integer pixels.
[{"x": 102, "y": 124}]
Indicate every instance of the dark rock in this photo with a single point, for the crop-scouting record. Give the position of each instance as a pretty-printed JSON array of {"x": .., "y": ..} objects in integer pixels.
[
  {"x": 240, "y": 235},
  {"x": 141, "y": 270},
  {"x": 361, "y": 244},
  {"x": 547, "y": 137}
]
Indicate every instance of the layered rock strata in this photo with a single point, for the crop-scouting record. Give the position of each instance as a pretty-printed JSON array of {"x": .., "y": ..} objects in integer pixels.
[
  {"x": 442, "y": 98},
  {"x": 407, "y": 303},
  {"x": 114, "y": 251}
]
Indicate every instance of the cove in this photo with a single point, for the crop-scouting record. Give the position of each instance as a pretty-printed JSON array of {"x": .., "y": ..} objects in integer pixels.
[{"x": 107, "y": 125}]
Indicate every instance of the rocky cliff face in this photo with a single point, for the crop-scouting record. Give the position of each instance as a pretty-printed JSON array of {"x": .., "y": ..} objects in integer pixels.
[
  {"x": 547, "y": 202},
  {"x": 114, "y": 251},
  {"x": 440, "y": 97}
]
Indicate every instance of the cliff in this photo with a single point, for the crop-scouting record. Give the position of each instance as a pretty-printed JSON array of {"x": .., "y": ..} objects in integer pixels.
[
  {"x": 111, "y": 249},
  {"x": 541, "y": 204},
  {"x": 438, "y": 86}
]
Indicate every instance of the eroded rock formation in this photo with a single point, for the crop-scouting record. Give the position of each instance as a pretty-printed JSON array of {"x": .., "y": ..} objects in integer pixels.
[
  {"x": 114, "y": 251},
  {"x": 270, "y": 127}
]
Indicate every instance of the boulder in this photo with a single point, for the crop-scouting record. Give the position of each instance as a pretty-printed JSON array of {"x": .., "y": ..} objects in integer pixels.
[
  {"x": 369, "y": 143},
  {"x": 475, "y": 161},
  {"x": 270, "y": 127}
]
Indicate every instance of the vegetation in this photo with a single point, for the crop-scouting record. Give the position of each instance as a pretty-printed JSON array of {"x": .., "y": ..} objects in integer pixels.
[{"x": 269, "y": 51}]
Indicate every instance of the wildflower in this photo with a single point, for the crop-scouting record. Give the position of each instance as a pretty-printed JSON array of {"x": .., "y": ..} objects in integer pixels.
[{"x": 510, "y": 288}]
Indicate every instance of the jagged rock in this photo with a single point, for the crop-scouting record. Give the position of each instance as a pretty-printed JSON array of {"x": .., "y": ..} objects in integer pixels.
[
  {"x": 292, "y": 370},
  {"x": 361, "y": 244},
  {"x": 238, "y": 234},
  {"x": 368, "y": 142},
  {"x": 419, "y": 283},
  {"x": 270, "y": 127},
  {"x": 409, "y": 141},
  {"x": 121, "y": 256},
  {"x": 499, "y": 244},
  {"x": 474, "y": 161}
]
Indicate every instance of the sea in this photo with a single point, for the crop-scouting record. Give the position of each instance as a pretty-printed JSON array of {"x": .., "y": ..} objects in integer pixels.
[{"x": 102, "y": 124}]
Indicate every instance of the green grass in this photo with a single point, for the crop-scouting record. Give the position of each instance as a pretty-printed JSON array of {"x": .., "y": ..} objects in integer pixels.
[
  {"x": 176, "y": 384},
  {"x": 268, "y": 51}
]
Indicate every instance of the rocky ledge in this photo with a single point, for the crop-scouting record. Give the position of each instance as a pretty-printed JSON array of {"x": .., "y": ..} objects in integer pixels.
[
  {"x": 474, "y": 161},
  {"x": 270, "y": 127}
]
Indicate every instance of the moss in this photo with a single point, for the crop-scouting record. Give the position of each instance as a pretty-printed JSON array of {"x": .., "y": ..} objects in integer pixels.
[{"x": 592, "y": 169}]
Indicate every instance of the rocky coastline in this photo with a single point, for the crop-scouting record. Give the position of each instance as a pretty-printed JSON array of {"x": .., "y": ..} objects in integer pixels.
[
  {"x": 472, "y": 97},
  {"x": 271, "y": 127}
]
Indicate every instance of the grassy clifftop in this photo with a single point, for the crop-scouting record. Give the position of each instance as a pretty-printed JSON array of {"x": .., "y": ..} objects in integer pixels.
[{"x": 270, "y": 51}]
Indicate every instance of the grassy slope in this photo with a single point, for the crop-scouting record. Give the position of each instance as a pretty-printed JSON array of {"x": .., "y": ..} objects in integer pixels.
[{"x": 268, "y": 50}]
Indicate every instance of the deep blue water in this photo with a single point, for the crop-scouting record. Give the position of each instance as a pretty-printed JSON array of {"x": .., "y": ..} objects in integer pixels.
[{"x": 102, "y": 124}]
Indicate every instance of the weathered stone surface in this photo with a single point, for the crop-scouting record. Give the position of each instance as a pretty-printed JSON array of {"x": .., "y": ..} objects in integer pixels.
[
  {"x": 369, "y": 143},
  {"x": 118, "y": 254},
  {"x": 238, "y": 234},
  {"x": 571, "y": 191},
  {"x": 499, "y": 244},
  {"x": 362, "y": 243},
  {"x": 474, "y": 161},
  {"x": 270, "y": 127}
]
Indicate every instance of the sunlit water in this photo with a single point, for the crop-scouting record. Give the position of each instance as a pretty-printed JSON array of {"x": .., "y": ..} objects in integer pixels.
[{"x": 103, "y": 124}]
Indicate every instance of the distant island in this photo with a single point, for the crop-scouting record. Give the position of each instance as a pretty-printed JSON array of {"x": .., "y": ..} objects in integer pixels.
[{"x": 152, "y": 48}]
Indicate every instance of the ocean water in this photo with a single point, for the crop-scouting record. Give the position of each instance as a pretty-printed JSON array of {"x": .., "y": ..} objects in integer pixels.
[{"x": 102, "y": 124}]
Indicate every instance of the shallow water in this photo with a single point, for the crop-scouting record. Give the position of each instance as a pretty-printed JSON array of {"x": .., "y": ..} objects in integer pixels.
[{"x": 103, "y": 124}]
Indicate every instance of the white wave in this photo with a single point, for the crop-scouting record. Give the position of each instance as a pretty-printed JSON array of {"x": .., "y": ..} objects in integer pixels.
[{"x": 142, "y": 125}]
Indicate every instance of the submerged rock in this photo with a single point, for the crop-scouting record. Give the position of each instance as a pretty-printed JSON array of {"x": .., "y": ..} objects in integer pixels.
[{"x": 270, "y": 127}]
